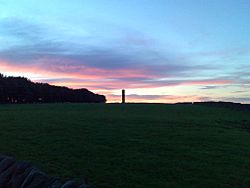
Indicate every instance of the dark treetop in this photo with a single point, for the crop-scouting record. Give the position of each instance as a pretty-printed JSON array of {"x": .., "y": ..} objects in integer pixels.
[{"x": 22, "y": 90}]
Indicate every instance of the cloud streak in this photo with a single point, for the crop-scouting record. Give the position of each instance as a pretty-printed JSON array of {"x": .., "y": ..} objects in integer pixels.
[
  {"x": 62, "y": 57},
  {"x": 35, "y": 51}
]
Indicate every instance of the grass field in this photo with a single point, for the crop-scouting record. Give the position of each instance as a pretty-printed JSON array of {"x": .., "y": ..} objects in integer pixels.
[{"x": 131, "y": 146}]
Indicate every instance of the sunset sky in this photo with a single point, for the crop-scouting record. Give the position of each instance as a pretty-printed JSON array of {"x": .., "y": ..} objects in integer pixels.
[{"x": 158, "y": 50}]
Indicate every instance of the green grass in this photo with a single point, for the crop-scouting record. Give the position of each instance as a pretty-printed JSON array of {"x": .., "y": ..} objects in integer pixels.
[{"x": 131, "y": 146}]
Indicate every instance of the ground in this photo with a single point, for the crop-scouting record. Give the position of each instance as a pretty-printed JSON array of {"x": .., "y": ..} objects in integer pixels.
[{"x": 131, "y": 145}]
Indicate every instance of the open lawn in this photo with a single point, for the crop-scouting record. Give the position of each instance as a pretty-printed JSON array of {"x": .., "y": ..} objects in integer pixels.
[{"x": 133, "y": 145}]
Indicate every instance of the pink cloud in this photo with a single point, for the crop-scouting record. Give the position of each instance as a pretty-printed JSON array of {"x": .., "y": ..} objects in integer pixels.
[
  {"x": 67, "y": 70},
  {"x": 77, "y": 76},
  {"x": 97, "y": 79}
]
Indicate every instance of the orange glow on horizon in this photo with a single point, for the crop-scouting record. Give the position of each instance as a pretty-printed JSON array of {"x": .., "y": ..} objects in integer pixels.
[
  {"x": 106, "y": 81},
  {"x": 158, "y": 99}
]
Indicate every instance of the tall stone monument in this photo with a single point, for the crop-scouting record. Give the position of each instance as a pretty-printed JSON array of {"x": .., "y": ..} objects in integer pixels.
[{"x": 123, "y": 96}]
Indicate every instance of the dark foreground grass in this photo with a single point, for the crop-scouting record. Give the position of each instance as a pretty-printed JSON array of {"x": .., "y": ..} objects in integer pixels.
[{"x": 131, "y": 146}]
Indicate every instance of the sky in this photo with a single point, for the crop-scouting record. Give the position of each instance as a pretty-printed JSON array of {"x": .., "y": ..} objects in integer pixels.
[{"x": 159, "y": 51}]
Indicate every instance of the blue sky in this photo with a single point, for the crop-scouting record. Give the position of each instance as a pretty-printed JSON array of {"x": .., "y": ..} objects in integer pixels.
[{"x": 160, "y": 51}]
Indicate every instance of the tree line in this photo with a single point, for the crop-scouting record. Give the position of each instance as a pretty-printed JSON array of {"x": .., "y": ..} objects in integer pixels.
[{"x": 22, "y": 90}]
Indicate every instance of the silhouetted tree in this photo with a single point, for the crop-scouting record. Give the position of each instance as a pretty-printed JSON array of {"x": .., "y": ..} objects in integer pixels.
[{"x": 22, "y": 90}]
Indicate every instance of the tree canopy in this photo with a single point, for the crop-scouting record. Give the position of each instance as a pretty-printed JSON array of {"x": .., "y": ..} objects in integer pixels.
[{"x": 22, "y": 90}]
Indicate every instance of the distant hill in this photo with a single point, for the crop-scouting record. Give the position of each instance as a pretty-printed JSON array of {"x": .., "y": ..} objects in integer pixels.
[
  {"x": 22, "y": 90},
  {"x": 231, "y": 105}
]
